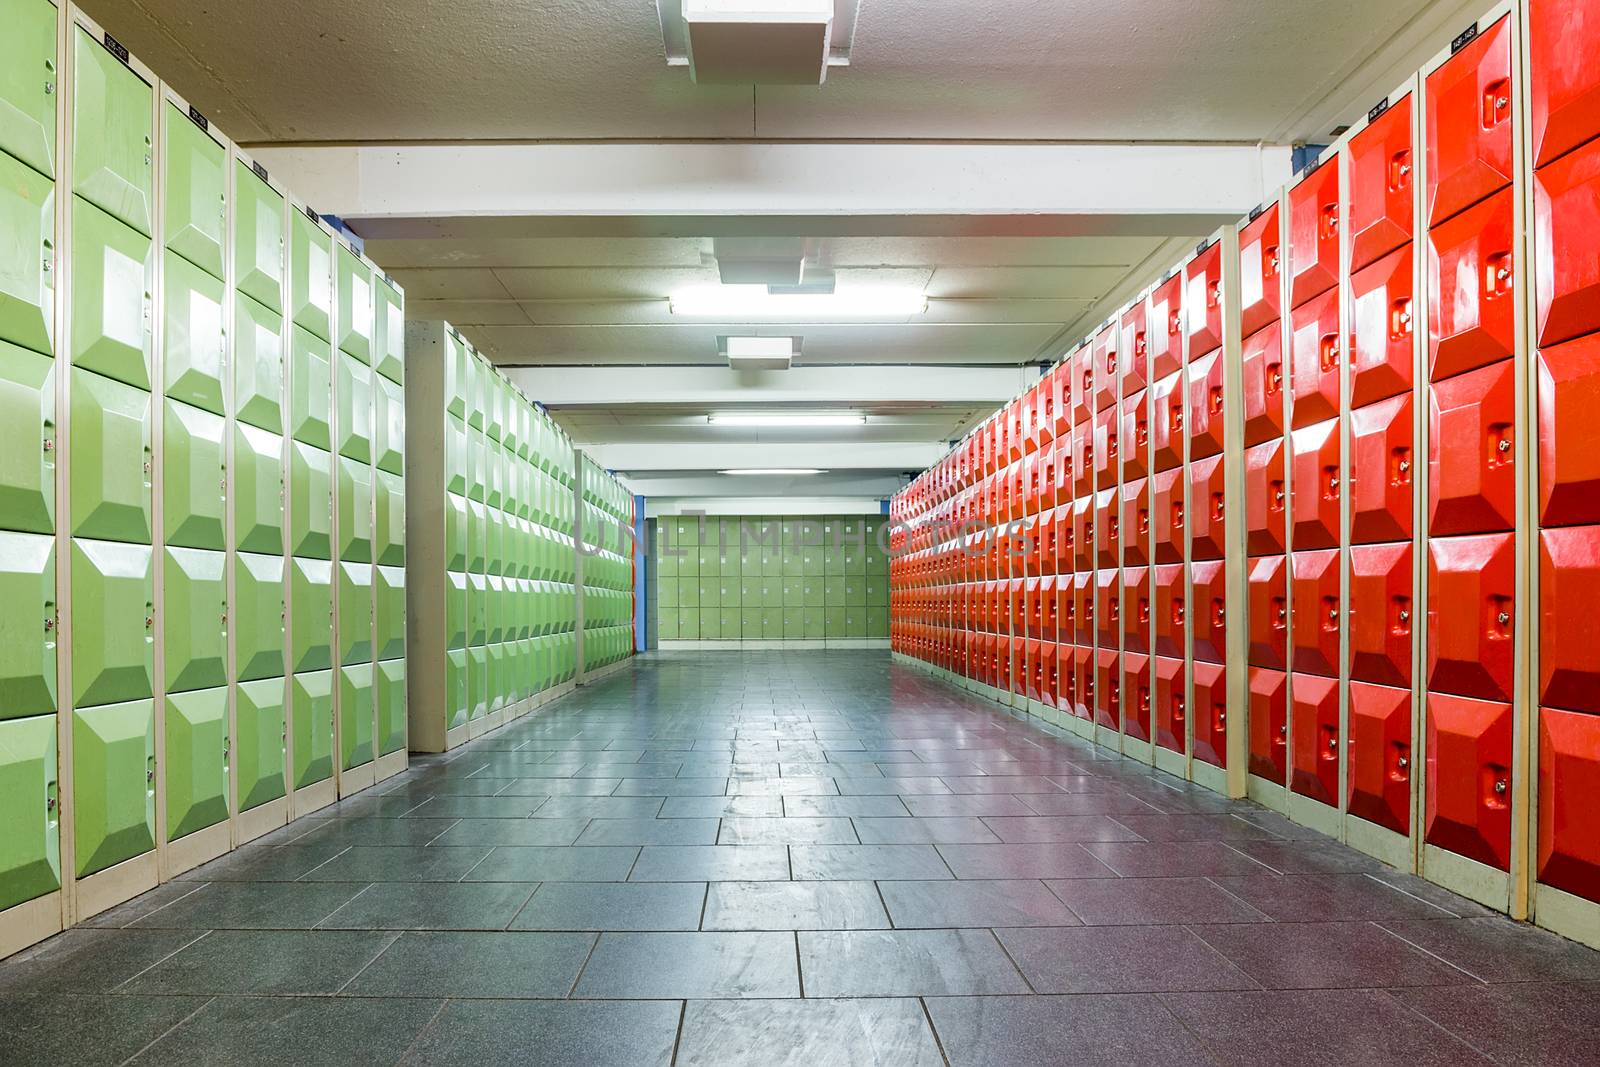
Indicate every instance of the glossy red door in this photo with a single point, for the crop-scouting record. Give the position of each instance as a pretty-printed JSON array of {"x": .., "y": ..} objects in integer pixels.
[
  {"x": 1468, "y": 784},
  {"x": 1381, "y": 470},
  {"x": 1067, "y": 610},
  {"x": 1269, "y": 612},
  {"x": 1263, "y": 384},
  {"x": 1383, "y": 330},
  {"x": 1569, "y": 631},
  {"x": 1314, "y": 234},
  {"x": 1269, "y": 725},
  {"x": 1382, "y": 217},
  {"x": 1563, "y": 80},
  {"x": 1472, "y": 615},
  {"x": 1135, "y": 441},
  {"x": 1135, "y": 525},
  {"x": 1472, "y": 479},
  {"x": 1083, "y": 520},
  {"x": 1107, "y": 689},
  {"x": 1471, "y": 295},
  {"x": 1260, "y": 272},
  {"x": 1316, "y": 488},
  {"x": 1317, "y": 611},
  {"x": 1317, "y": 360},
  {"x": 1137, "y": 697},
  {"x": 1206, "y": 403},
  {"x": 1044, "y": 412},
  {"x": 1211, "y": 714},
  {"x": 1060, "y": 383},
  {"x": 1106, "y": 368},
  {"x": 1083, "y": 459},
  {"x": 1166, "y": 429},
  {"x": 1171, "y": 732},
  {"x": 1569, "y": 782},
  {"x": 1315, "y": 736},
  {"x": 1133, "y": 348},
  {"x": 1136, "y": 596},
  {"x": 1084, "y": 663},
  {"x": 1569, "y": 437},
  {"x": 1082, "y": 360},
  {"x": 1381, "y": 613},
  {"x": 1108, "y": 608},
  {"x": 1167, "y": 513},
  {"x": 1203, "y": 302},
  {"x": 1166, "y": 328},
  {"x": 1209, "y": 596},
  {"x": 1207, "y": 508},
  {"x": 1266, "y": 501},
  {"x": 1108, "y": 523},
  {"x": 1378, "y": 762},
  {"x": 1566, "y": 221},
  {"x": 1061, "y": 517},
  {"x": 1171, "y": 610},
  {"x": 1467, "y": 126}
]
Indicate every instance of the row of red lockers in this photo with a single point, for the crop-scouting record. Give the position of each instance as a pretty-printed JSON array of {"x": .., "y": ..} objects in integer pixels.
[{"x": 1040, "y": 460}]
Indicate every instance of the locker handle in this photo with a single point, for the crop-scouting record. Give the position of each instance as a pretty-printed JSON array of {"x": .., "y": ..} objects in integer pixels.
[{"x": 49, "y": 265}]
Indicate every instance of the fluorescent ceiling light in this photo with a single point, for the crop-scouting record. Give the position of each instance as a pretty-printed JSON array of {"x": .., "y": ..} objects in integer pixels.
[
  {"x": 775, "y": 471},
  {"x": 775, "y": 420},
  {"x": 754, "y": 301},
  {"x": 760, "y": 347}
]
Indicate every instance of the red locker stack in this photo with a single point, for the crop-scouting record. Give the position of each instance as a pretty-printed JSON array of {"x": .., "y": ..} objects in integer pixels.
[{"x": 1169, "y": 551}]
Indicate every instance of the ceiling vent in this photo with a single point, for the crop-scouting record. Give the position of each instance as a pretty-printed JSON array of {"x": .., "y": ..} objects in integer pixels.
[
  {"x": 758, "y": 42},
  {"x": 759, "y": 353}
]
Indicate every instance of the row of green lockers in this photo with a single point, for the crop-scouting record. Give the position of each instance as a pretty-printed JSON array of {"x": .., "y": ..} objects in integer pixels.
[
  {"x": 608, "y": 584},
  {"x": 760, "y": 578}
]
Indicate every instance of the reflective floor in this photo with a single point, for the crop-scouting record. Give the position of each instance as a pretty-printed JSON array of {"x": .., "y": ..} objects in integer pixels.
[{"x": 795, "y": 858}]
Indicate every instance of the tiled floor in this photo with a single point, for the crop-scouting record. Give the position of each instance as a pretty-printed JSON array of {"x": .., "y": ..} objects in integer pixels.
[{"x": 796, "y": 858}]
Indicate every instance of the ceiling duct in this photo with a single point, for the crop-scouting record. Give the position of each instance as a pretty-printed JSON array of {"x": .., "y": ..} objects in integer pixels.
[{"x": 758, "y": 42}]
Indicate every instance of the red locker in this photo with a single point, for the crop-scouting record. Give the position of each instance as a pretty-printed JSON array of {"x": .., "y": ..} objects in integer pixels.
[
  {"x": 1106, "y": 368},
  {"x": 1044, "y": 556},
  {"x": 1569, "y": 781},
  {"x": 1167, "y": 422},
  {"x": 1167, "y": 516},
  {"x": 1265, "y": 498},
  {"x": 1062, "y": 517},
  {"x": 1108, "y": 608},
  {"x": 1061, "y": 479},
  {"x": 1136, "y": 616},
  {"x": 1203, "y": 302},
  {"x": 1171, "y": 612},
  {"x": 1472, "y": 484},
  {"x": 1135, "y": 435},
  {"x": 1379, "y": 756},
  {"x": 1135, "y": 524},
  {"x": 1107, "y": 689},
  {"x": 1260, "y": 277},
  {"x": 1468, "y": 802},
  {"x": 1049, "y": 681},
  {"x": 1166, "y": 328},
  {"x": 1031, "y": 619},
  {"x": 1269, "y": 725},
  {"x": 1317, "y": 611},
  {"x": 1206, "y": 395},
  {"x": 1472, "y": 314},
  {"x": 1082, "y": 360},
  {"x": 1083, "y": 660},
  {"x": 1209, "y": 595},
  {"x": 1471, "y": 615},
  {"x": 1067, "y": 609},
  {"x": 1016, "y": 428},
  {"x": 1316, "y": 738},
  {"x": 1134, "y": 348},
  {"x": 1170, "y": 713},
  {"x": 1207, "y": 506},
  {"x": 1381, "y": 470},
  {"x": 1107, "y": 432},
  {"x": 1316, "y": 488},
  {"x": 1381, "y": 613},
  {"x": 1381, "y": 174},
  {"x": 1211, "y": 714},
  {"x": 1083, "y": 459},
  {"x": 1033, "y": 671},
  {"x": 1059, "y": 381},
  {"x": 1263, "y": 384},
  {"x": 1083, "y": 533},
  {"x": 1317, "y": 360},
  {"x": 1569, "y": 459},
  {"x": 1269, "y": 612},
  {"x": 1136, "y": 707},
  {"x": 1035, "y": 421},
  {"x": 1108, "y": 522},
  {"x": 1569, "y": 630},
  {"x": 1314, "y": 234},
  {"x": 1049, "y": 615},
  {"x": 1086, "y": 608},
  {"x": 1468, "y": 124},
  {"x": 1066, "y": 679},
  {"x": 1383, "y": 328},
  {"x": 1563, "y": 80},
  {"x": 1015, "y": 622},
  {"x": 1566, "y": 220}
]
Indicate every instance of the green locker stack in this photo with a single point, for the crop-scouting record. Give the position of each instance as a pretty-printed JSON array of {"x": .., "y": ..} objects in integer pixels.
[
  {"x": 819, "y": 580},
  {"x": 491, "y": 565},
  {"x": 606, "y": 566}
]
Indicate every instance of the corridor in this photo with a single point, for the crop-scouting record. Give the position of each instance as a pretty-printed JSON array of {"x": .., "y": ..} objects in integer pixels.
[{"x": 794, "y": 858}]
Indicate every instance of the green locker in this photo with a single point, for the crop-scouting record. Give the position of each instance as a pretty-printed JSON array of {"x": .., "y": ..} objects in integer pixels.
[
  {"x": 112, "y": 285},
  {"x": 195, "y": 618},
  {"x": 195, "y": 195},
  {"x": 310, "y": 277},
  {"x": 311, "y": 704},
  {"x": 110, "y": 459},
  {"x": 27, "y": 440},
  {"x": 813, "y": 593},
  {"x": 310, "y": 501},
  {"x": 311, "y": 628},
  {"x": 855, "y": 561},
  {"x": 494, "y": 535},
  {"x": 30, "y": 849},
  {"x": 750, "y": 624},
  {"x": 257, "y": 238},
  {"x": 194, "y": 493},
  {"x": 355, "y": 612},
  {"x": 772, "y": 624},
  {"x": 833, "y": 622},
  {"x": 771, "y": 563},
  {"x": 730, "y": 593},
  {"x": 667, "y": 594},
  {"x": 494, "y": 603},
  {"x": 113, "y": 783},
  {"x": 259, "y": 761},
  {"x": 390, "y": 686},
  {"x": 356, "y": 712},
  {"x": 353, "y": 286},
  {"x": 855, "y": 591},
  {"x": 197, "y": 759},
  {"x": 28, "y": 625},
  {"x": 772, "y": 593},
  {"x": 878, "y": 621},
  {"x": 855, "y": 622},
  {"x": 111, "y": 133},
  {"x": 794, "y": 592},
  {"x": 456, "y": 537},
  {"x": 477, "y": 682},
  {"x": 832, "y": 562},
  {"x": 113, "y": 635},
  {"x": 258, "y": 616},
  {"x": 494, "y": 477},
  {"x": 689, "y": 593},
  {"x": 751, "y": 592},
  {"x": 194, "y": 341},
  {"x": 389, "y": 519},
  {"x": 833, "y": 591},
  {"x": 457, "y": 696},
  {"x": 27, "y": 87},
  {"x": 310, "y": 390},
  {"x": 27, "y": 257},
  {"x": 877, "y": 591},
  {"x": 496, "y": 655},
  {"x": 497, "y": 398},
  {"x": 667, "y": 625},
  {"x": 458, "y": 376},
  {"x": 815, "y": 624},
  {"x": 794, "y": 627},
  {"x": 710, "y": 624},
  {"x": 257, "y": 488},
  {"x": 477, "y": 469},
  {"x": 389, "y": 325},
  {"x": 257, "y": 365},
  {"x": 710, "y": 592},
  {"x": 389, "y": 425},
  {"x": 793, "y": 563},
  {"x": 477, "y": 610},
  {"x": 355, "y": 511},
  {"x": 456, "y": 611},
  {"x": 689, "y": 563},
  {"x": 355, "y": 410},
  {"x": 710, "y": 562},
  {"x": 477, "y": 538}
]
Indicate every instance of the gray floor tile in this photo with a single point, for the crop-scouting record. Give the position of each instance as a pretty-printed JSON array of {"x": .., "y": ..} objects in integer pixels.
[
  {"x": 1496, "y": 949},
  {"x": 1348, "y": 955},
  {"x": 81, "y": 1029},
  {"x": 866, "y": 862},
  {"x": 1152, "y": 901},
  {"x": 1205, "y": 827},
  {"x": 552, "y": 1034},
  {"x": 1327, "y": 898},
  {"x": 1046, "y": 829},
  {"x": 498, "y": 807},
  {"x": 1532, "y": 1023},
  {"x": 804, "y": 1033},
  {"x": 968, "y": 830},
  {"x": 672, "y": 787},
  {"x": 1062, "y": 860},
  {"x": 538, "y": 863},
  {"x": 87, "y": 960},
  {"x": 722, "y": 807},
  {"x": 903, "y": 787},
  {"x": 298, "y": 1030},
  {"x": 1049, "y": 1031},
  {"x": 844, "y": 807},
  {"x": 263, "y": 963},
  {"x": 711, "y": 863},
  {"x": 508, "y": 966},
  {"x": 1120, "y": 959},
  {"x": 951, "y": 904},
  {"x": 284, "y": 863},
  {"x": 512, "y": 832},
  {"x": 649, "y": 832},
  {"x": 906, "y": 963},
  {"x": 794, "y": 906},
  {"x": 1086, "y": 804},
  {"x": 432, "y": 906},
  {"x": 716, "y": 965},
  {"x": 614, "y": 906},
  {"x": 375, "y": 831},
  {"x": 1173, "y": 859},
  {"x": 561, "y": 787},
  {"x": 399, "y": 863},
  {"x": 969, "y": 806},
  {"x": 1000, "y": 784},
  {"x": 254, "y": 906},
  {"x": 599, "y": 808}
]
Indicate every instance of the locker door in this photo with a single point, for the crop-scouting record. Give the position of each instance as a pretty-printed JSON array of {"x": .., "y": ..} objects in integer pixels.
[
  {"x": 1471, "y": 612},
  {"x": 310, "y": 501},
  {"x": 311, "y": 390},
  {"x": 1166, "y": 328},
  {"x": 1133, "y": 347},
  {"x": 311, "y": 276},
  {"x": 1569, "y": 464},
  {"x": 355, "y": 418},
  {"x": 257, "y": 365},
  {"x": 389, "y": 425},
  {"x": 1472, "y": 483},
  {"x": 311, "y": 629},
  {"x": 27, "y": 440},
  {"x": 1083, "y": 407},
  {"x": 1167, "y": 422},
  {"x": 27, "y": 261},
  {"x": 1468, "y": 124},
  {"x": 1381, "y": 337},
  {"x": 1269, "y": 725},
  {"x": 1471, "y": 317},
  {"x": 356, "y": 711},
  {"x": 1107, "y": 368},
  {"x": 1135, "y": 522},
  {"x": 195, "y": 626},
  {"x": 1316, "y": 738},
  {"x": 1314, "y": 234},
  {"x": 1203, "y": 302},
  {"x": 1211, "y": 714},
  {"x": 113, "y": 638},
  {"x": 1381, "y": 614},
  {"x": 1135, "y": 438},
  {"x": 1382, "y": 217},
  {"x": 1205, "y": 407},
  {"x": 1269, "y": 612},
  {"x": 1207, "y": 507},
  {"x": 1260, "y": 263},
  {"x": 113, "y": 783},
  {"x": 1317, "y": 485},
  {"x": 196, "y": 477},
  {"x": 112, "y": 286},
  {"x": 1569, "y": 775},
  {"x": 261, "y": 758},
  {"x": 27, "y": 89},
  {"x": 1170, "y": 611},
  {"x": 355, "y": 511},
  {"x": 1468, "y": 794},
  {"x": 258, "y": 239},
  {"x": 195, "y": 193},
  {"x": 30, "y": 865},
  {"x": 1569, "y": 578},
  {"x": 1170, "y": 715},
  {"x": 1209, "y": 595},
  {"x": 1317, "y": 613},
  {"x": 1263, "y": 384},
  {"x": 1564, "y": 93},
  {"x": 1167, "y": 516},
  {"x": 197, "y": 759},
  {"x": 1566, "y": 220},
  {"x": 1317, "y": 360},
  {"x": 258, "y": 616},
  {"x": 1266, "y": 501},
  {"x": 28, "y": 626},
  {"x": 1108, "y": 609},
  {"x": 1106, "y": 447},
  {"x": 1381, "y": 471},
  {"x": 353, "y": 285},
  {"x": 1379, "y": 764},
  {"x": 1107, "y": 695},
  {"x": 111, "y": 133},
  {"x": 258, "y": 489},
  {"x": 391, "y": 699},
  {"x": 1138, "y": 700},
  {"x": 1108, "y": 522},
  {"x": 1137, "y": 594}
]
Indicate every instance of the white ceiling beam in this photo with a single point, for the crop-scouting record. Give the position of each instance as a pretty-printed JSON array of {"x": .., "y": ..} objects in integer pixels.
[
  {"x": 824, "y": 454},
  {"x": 863, "y": 386},
  {"x": 503, "y": 190}
]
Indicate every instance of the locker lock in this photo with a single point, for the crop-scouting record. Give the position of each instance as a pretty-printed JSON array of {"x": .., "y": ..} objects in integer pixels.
[
  {"x": 1283, "y": 731},
  {"x": 1504, "y": 617},
  {"x": 49, "y": 623},
  {"x": 1405, "y": 616},
  {"x": 1279, "y": 496},
  {"x": 1504, "y": 445},
  {"x": 1500, "y": 786},
  {"x": 1333, "y": 743},
  {"x": 1403, "y": 762},
  {"x": 49, "y": 444},
  {"x": 1405, "y": 465}
]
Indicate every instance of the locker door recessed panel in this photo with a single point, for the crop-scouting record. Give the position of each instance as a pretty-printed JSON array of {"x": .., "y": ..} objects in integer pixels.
[
  {"x": 1317, "y": 360},
  {"x": 353, "y": 284},
  {"x": 1315, "y": 732},
  {"x": 257, "y": 238},
  {"x": 311, "y": 628},
  {"x": 27, "y": 440},
  {"x": 195, "y": 626},
  {"x": 389, "y": 522},
  {"x": 28, "y": 259},
  {"x": 1569, "y": 631},
  {"x": 1166, "y": 423},
  {"x": 258, "y": 616},
  {"x": 1168, "y": 515},
  {"x": 195, "y": 479},
  {"x": 1383, "y": 328},
  {"x": 112, "y": 297},
  {"x": 355, "y": 411},
  {"x": 1566, "y": 225},
  {"x": 113, "y": 783},
  {"x": 258, "y": 490},
  {"x": 1569, "y": 462},
  {"x": 312, "y": 713},
  {"x": 1208, "y": 600},
  {"x": 1314, "y": 234},
  {"x": 257, "y": 365},
  {"x": 198, "y": 755},
  {"x": 113, "y": 635},
  {"x": 1468, "y": 795},
  {"x": 1269, "y": 725},
  {"x": 310, "y": 502},
  {"x": 356, "y": 715},
  {"x": 1207, "y": 505},
  {"x": 1381, "y": 613},
  {"x": 1260, "y": 272},
  {"x": 1135, "y": 443},
  {"x": 1170, "y": 611},
  {"x": 1137, "y": 597},
  {"x": 390, "y": 693},
  {"x": 1569, "y": 775},
  {"x": 260, "y": 765},
  {"x": 310, "y": 276},
  {"x": 1210, "y": 714},
  {"x": 1472, "y": 478},
  {"x": 195, "y": 193},
  {"x": 1472, "y": 615},
  {"x": 310, "y": 390},
  {"x": 1468, "y": 124},
  {"x": 1166, "y": 328},
  {"x": 194, "y": 342},
  {"x": 1382, "y": 180},
  {"x": 28, "y": 75},
  {"x": 1317, "y": 486},
  {"x": 355, "y": 612},
  {"x": 1471, "y": 291},
  {"x": 112, "y": 136},
  {"x": 1379, "y": 765},
  {"x": 1263, "y": 384},
  {"x": 1318, "y": 609},
  {"x": 1206, "y": 407},
  {"x": 1382, "y": 467},
  {"x": 1136, "y": 521},
  {"x": 355, "y": 511},
  {"x": 1269, "y": 611},
  {"x": 1266, "y": 498},
  {"x": 1563, "y": 88},
  {"x": 1203, "y": 302},
  {"x": 30, "y": 863},
  {"x": 28, "y": 626}
]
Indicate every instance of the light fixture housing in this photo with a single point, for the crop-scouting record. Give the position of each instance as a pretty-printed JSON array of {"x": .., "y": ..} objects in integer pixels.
[
  {"x": 776, "y": 472},
  {"x": 775, "y": 420},
  {"x": 753, "y": 302},
  {"x": 746, "y": 42},
  {"x": 760, "y": 353}
]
